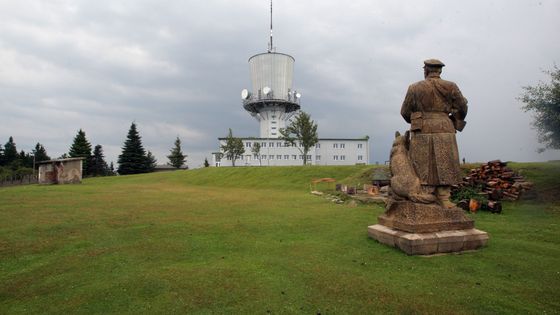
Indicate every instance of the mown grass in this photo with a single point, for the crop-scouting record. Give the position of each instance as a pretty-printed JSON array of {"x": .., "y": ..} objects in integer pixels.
[{"x": 253, "y": 240}]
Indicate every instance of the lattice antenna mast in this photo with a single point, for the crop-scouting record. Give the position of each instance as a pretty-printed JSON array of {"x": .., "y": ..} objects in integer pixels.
[{"x": 270, "y": 47}]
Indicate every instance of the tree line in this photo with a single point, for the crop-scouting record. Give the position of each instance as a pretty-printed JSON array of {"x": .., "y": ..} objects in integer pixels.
[{"x": 134, "y": 159}]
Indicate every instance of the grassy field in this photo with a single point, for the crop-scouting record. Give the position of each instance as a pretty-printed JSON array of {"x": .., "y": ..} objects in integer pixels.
[{"x": 254, "y": 241}]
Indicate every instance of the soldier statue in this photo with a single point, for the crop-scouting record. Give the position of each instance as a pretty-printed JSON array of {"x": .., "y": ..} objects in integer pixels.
[{"x": 435, "y": 109}]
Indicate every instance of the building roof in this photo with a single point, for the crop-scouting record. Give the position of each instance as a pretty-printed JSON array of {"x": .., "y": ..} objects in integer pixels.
[
  {"x": 320, "y": 139},
  {"x": 62, "y": 160}
]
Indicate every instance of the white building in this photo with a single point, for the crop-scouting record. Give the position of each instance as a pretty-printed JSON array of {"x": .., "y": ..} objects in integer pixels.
[
  {"x": 275, "y": 152},
  {"x": 272, "y": 102}
]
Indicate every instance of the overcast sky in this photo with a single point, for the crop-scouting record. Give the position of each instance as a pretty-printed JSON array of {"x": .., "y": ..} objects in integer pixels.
[{"x": 176, "y": 68}]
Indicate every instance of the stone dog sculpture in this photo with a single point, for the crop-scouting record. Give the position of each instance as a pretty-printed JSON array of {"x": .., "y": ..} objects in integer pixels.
[{"x": 405, "y": 184}]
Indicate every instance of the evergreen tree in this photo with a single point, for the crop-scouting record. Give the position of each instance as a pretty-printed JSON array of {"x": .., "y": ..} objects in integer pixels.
[
  {"x": 26, "y": 159},
  {"x": 133, "y": 159},
  {"x": 10, "y": 152},
  {"x": 98, "y": 165},
  {"x": 206, "y": 164},
  {"x": 2, "y": 163},
  {"x": 177, "y": 158},
  {"x": 81, "y": 148},
  {"x": 40, "y": 153},
  {"x": 303, "y": 130},
  {"x": 233, "y": 149},
  {"x": 111, "y": 169},
  {"x": 151, "y": 162}
]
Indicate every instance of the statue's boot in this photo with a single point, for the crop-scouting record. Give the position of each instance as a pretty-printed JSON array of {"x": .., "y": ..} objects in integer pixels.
[{"x": 444, "y": 195}]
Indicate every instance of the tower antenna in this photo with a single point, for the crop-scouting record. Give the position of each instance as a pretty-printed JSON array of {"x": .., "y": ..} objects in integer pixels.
[{"x": 270, "y": 47}]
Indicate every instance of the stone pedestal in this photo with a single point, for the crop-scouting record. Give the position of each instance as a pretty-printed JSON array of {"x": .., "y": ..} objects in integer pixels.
[
  {"x": 424, "y": 229},
  {"x": 429, "y": 243}
]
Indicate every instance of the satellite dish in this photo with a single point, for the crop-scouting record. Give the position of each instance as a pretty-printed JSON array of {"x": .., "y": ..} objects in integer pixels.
[
  {"x": 298, "y": 95},
  {"x": 266, "y": 90},
  {"x": 245, "y": 94}
]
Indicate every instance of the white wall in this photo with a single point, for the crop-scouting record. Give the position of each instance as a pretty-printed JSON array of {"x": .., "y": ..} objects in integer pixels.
[{"x": 327, "y": 152}]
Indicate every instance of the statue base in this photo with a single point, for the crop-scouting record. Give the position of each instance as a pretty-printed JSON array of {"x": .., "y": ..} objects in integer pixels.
[
  {"x": 424, "y": 229},
  {"x": 423, "y": 218},
  {"x": 429, "y": 243}
]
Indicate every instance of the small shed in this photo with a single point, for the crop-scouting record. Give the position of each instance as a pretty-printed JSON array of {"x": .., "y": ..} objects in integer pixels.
[{"x": 61, "y": 171}]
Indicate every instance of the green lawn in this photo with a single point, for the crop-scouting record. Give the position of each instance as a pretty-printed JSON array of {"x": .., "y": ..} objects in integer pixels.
[{"x": 253, "y": 240}]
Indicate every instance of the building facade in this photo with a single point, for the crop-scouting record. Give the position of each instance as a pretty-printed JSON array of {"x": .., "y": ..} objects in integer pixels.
[{"x": 275, "y": 152}]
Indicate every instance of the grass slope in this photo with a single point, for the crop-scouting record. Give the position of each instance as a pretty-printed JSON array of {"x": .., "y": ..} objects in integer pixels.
[{"x": 253, "y": 240}]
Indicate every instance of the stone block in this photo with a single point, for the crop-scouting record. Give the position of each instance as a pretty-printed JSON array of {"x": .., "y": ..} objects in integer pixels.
[{"x": 429, "y": 243}]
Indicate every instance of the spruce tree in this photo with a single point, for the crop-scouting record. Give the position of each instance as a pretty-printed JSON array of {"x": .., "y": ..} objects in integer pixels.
[
  {"x": 10, "y": 152},
  {"x": 177, "y": 159},
  {"x": 151, "y": 162},
  {"x": 81, "y": 148},
  {"x": 206, "y": 164},
  {"x": 133, "y": 159},
  {"x": 98, "y": 165},
  {"x": 2, "y": 163},
  {"x": 111, "y": 169},
  {"x": 40, "y": 153}
]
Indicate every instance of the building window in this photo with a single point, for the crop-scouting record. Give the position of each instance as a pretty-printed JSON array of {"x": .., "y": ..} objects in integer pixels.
[
  {"x": 335, "y": 157},
  {"x": 343, "y": 157},
  {"x": 263, "y": 144},
  {"x": 359, "y": 157},
  {"x": 335, "y": 145},
  {"x": 248, "y": 157},
  {"x": 359, "y": 145},
  {"x": 294, "y": 157},
  {"x": 309, "y": 157},
  {"x": 263, "y": 157},
  {"x": 286, "y": 157},
  {"x": 342, "y": 145},
  {"x": 318, "y": 157},
  {"x": 256, "y": 157},
  {"x": 318, "y": 145},
  {"x": 271, "y": 157},
  {"x": 278, "y": 157},
  {"x": 247, "y": 144},
  {"x": 279, "y": 144},
  {"x": 229, "y": 158},
  {"x": 271, "y": 144},
  {"x": 301, "y": 157}
]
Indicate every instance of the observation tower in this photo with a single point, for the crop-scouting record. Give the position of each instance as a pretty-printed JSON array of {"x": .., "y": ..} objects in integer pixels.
[{"x": 272, "y": 100}]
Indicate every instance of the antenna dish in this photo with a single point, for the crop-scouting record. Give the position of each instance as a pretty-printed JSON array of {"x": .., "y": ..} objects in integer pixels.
[
  {"x": 298, "y": 95},
  {"x": 266, "y": 90},
  {"x": 245, "y": 94}
]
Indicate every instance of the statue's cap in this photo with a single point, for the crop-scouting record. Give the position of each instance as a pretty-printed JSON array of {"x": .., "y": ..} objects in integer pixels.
[{"x": 433, "y": 63}]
